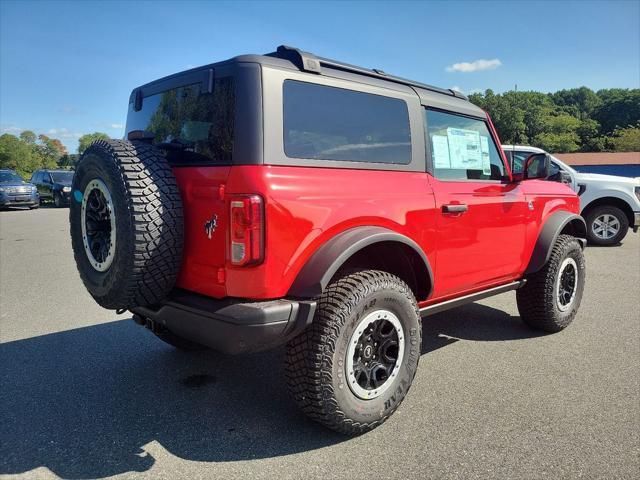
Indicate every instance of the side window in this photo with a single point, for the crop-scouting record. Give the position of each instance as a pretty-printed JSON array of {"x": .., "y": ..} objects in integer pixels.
[
  {"x": 462, "y": 148},
  {"x": 328, "y": 123},
  {"x": 45, "y": 177}
]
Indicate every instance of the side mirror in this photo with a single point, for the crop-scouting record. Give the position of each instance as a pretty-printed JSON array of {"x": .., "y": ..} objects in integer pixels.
[
  {"x": 536, "y": 166},
  {"x": 565, "y": 178}
]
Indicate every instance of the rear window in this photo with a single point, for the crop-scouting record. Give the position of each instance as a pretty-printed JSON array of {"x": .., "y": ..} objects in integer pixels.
[
  {"x": 193, "y": 125},
  {"x": 327, "y": 123}
]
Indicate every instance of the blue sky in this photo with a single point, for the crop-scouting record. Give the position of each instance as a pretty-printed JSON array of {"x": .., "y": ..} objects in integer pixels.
[{"x": 67, "y": 68}]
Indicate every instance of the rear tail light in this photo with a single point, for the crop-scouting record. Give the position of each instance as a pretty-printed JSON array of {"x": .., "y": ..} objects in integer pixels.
[{"x": 247, "y": 229}]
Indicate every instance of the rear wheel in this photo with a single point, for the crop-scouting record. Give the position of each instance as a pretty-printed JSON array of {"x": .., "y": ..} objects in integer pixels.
[
  {"x": 351, "y": 369},
  {"x": 126, "y": 224},
  {"x": 551, "y": 297},
  {"x": 606, "y": 225}
]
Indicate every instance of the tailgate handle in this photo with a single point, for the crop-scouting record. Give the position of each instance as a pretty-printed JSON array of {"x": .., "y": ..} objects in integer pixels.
[{"x": 457, "y": 208}]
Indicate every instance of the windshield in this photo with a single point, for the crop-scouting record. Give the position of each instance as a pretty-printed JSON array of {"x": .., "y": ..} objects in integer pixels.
[
  {"x": 62, "y": 177},
  {"x": 10, "y": 177},
  {"x": 563, "y": 165}
]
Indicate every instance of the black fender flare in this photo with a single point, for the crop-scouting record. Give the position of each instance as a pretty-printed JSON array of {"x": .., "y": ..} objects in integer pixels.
[
  {"x": 552, "y": 228},
  {"x": 316, "y": 274}
]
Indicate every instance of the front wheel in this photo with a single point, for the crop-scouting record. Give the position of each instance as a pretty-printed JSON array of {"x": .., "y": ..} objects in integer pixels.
[
  {"x": 57, "y": 200},
  {"x": 606, "y": 225},
  {"x": 351, "y": 368},
  {"x": 551, "y": 297}
]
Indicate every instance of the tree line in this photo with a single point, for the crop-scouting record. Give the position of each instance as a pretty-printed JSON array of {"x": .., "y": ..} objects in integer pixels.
[
  {"x": 574, "y": 120},
  {"x": 29, "y": 152}
]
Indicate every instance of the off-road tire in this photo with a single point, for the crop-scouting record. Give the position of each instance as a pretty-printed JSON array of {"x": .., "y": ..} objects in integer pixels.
[
  {"x": 148, "y": 219},
  {"x": 606, "y": 210},
  {"x": 537, "y": 299},
  {"x": 315, "y": 360}
]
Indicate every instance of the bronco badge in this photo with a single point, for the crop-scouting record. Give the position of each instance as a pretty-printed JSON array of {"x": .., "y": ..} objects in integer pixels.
[{"x": 211, "y": 225}]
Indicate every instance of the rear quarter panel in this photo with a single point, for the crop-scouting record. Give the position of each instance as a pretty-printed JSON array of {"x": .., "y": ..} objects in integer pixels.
[{"x": 306, "y": 206}]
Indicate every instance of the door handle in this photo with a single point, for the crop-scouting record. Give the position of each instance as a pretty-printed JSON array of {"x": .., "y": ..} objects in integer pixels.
[{"x": 455, "y": 208}]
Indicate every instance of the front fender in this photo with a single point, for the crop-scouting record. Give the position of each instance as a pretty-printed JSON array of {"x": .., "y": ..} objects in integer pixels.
[{"x": 553, "y": 227}]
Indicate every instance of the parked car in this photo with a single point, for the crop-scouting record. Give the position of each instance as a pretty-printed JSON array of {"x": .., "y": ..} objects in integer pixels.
[
  {"x": 53, "y": 185},
  {"x": 15, "y": 192},
  {"x": 288, "y": 198},
  {"x": 609, "y": 204}
]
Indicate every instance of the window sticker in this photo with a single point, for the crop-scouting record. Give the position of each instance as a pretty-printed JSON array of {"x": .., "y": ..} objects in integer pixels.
[
  {"x": 486, "y": 159},
  {"x": 464, "y": 149},
  {"x": 440, "y": 151}
]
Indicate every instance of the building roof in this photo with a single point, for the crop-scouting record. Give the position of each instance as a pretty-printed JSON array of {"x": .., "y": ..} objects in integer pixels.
[{"x": 600, "y": 158}]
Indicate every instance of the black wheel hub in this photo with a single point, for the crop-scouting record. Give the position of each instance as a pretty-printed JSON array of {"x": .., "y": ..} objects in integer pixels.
[
  {"x": 98, "y": 225},
  {"x": 567, "y": 284},
  {"x": 376, "y": 354}
]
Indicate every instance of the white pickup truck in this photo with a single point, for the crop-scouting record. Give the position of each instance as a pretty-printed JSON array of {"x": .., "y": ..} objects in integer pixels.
[{"x": 609, "y": 204}]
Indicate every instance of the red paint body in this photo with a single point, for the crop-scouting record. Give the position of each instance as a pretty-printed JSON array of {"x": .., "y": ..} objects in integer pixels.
[{"x": 488, "y": 245}]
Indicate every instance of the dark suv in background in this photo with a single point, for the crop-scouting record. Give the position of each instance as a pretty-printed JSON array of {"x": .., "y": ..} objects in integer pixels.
[
  {"x": 15, "y": 192},
  {"x": 53, "y": 185}
]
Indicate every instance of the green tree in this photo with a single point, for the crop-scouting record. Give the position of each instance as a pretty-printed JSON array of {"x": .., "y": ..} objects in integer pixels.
[
  {"x": 627, "y": 139},
  {"x": 579, "y": 102},
  {"x": 88, "y": 139},
  {"x": 620, "y": 108},
  {"x": 49, "y": 151},
  {"x": 16, "y": 155},
  {"x": 28, "y": 136}
]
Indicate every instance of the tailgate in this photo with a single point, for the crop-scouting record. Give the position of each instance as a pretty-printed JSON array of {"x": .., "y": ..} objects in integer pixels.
[{"x": 202, "y": 191}]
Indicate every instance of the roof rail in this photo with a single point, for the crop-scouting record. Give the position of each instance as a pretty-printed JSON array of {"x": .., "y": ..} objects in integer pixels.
[{"x": 309, "y": 62}]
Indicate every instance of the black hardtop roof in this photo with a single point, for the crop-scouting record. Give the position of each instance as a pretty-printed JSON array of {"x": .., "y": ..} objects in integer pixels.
[{"x": 295, "y": 59}]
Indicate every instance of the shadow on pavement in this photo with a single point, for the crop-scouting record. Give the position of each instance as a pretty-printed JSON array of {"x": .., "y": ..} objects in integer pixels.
[
  {"x": 472, "y": 322},
  {"x": 84, "y": 402}
]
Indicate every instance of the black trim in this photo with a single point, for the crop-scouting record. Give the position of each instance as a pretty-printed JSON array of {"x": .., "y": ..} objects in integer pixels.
[
  {"x": 582, "y": 187},
  {"x": 327, "y": 260},
  {"x": 456, "y": 302},
  {"x": 230, "y": 325},
  {"x": 548, "y": 235},
  {"x": 309, "y": 62}
]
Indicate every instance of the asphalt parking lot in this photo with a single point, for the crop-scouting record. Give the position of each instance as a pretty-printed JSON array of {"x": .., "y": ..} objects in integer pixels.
[{"x": 86, "y": 393}]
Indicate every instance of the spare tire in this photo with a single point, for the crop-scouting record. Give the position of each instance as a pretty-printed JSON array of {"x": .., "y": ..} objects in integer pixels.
[{"x": 126, "y": 223}]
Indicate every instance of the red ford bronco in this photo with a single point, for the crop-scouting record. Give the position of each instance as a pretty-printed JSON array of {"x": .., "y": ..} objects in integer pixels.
[{"x": 292, "y": 199}]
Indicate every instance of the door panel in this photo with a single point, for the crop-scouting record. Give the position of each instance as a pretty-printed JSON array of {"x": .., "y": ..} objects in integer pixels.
[{"x": 482, "y": 244}]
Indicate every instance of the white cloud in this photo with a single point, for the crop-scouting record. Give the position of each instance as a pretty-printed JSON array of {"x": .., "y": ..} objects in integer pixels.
[
  {"x": 63, "y": 133},
  {"x": 475, "y": 66},
  {"x": 11, "y": 129},
  {"x": 117, "y": 126}
]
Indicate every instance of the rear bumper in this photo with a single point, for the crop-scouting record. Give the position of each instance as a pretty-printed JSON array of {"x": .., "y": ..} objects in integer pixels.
[{"x": 230, "y": 326}]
